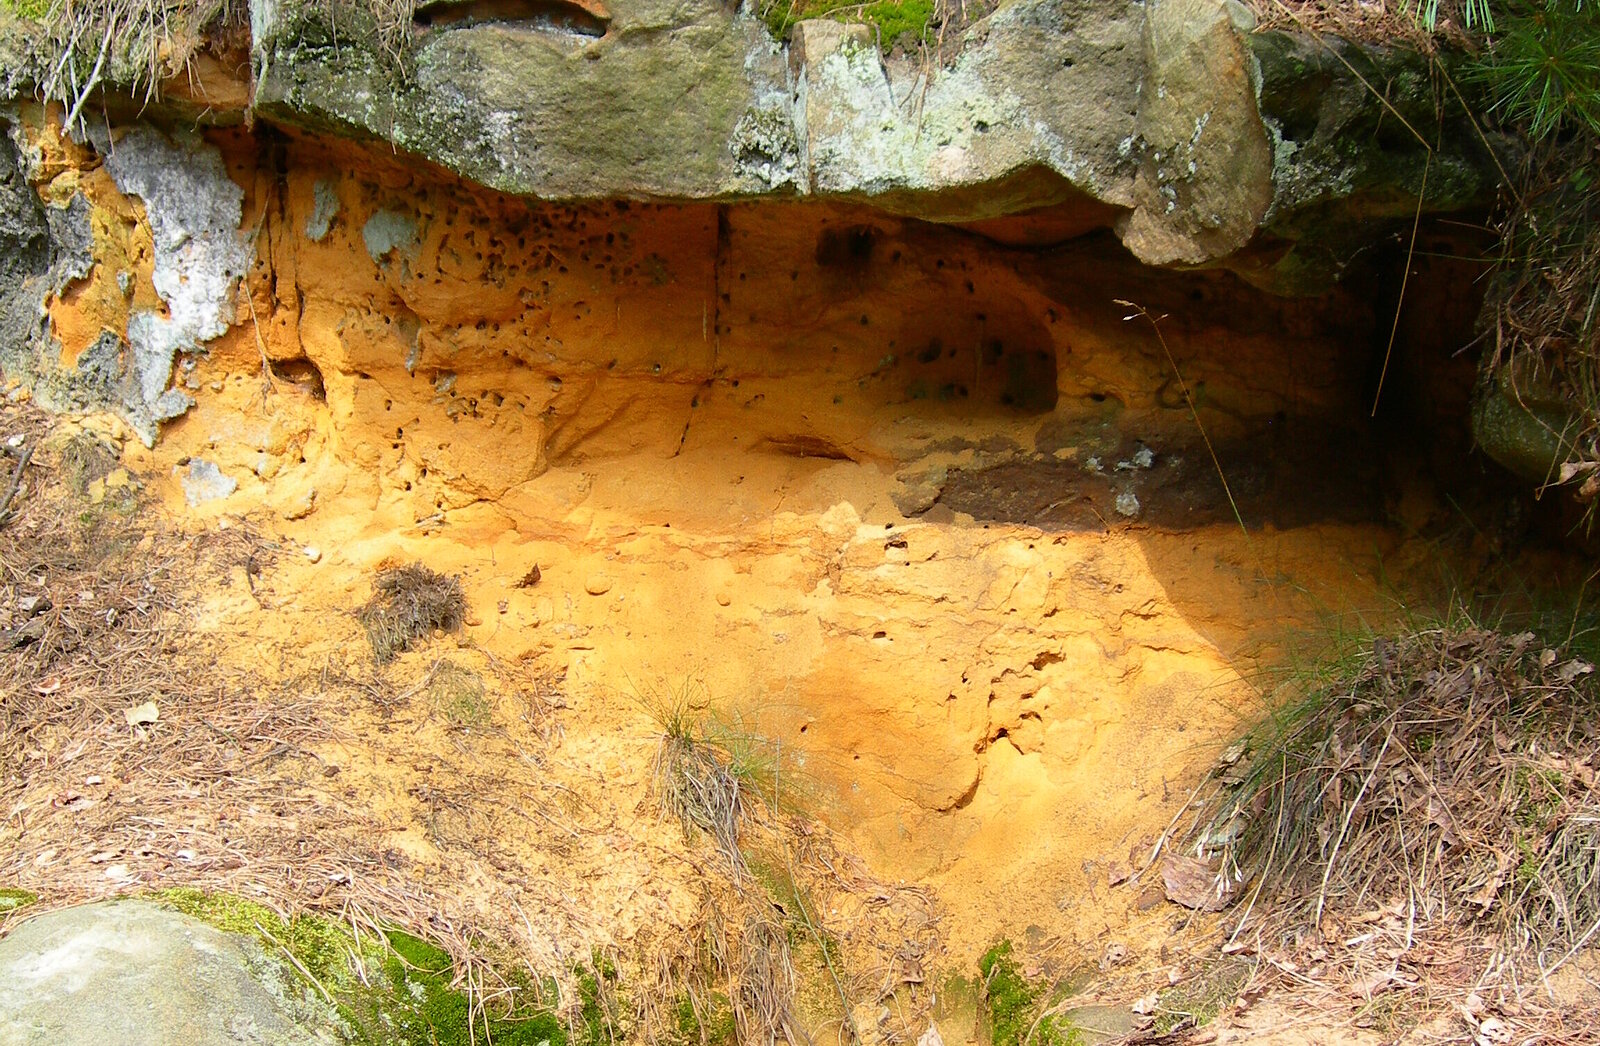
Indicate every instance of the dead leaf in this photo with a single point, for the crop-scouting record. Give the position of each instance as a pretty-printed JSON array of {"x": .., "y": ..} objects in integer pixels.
[
  {"x": 1195, "y": 884},
  {"x": 931, "y": 1037},
  {"x": 1571, "y": 469},
  {"x": 1146, "y": 1005},
  {"x": 1571, "y": 670},
  {"x": 1486, "y": 894},
  {"x": 73, "y": 801},
  {"x": 142, "y": 715}
]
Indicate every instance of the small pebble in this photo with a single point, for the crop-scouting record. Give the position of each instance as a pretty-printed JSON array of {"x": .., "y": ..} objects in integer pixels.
[
  {"x": 597, "y": 585},
  {"x": 313, "y": 553},
  {"x": 723, "y": 599}
]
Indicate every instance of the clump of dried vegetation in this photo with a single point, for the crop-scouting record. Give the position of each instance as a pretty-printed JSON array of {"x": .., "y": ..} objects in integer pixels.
[
  {"x": 136, "y": 45},
  {"x": 707, "y": 775},
  {"x": 1427, "y": 821},
  {"x": 408, "y": 604},
  {"x": 1542, "y": 311},
  {"x": 761, "y": 920}
]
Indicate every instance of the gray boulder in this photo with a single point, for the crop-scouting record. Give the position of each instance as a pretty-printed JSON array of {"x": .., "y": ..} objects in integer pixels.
[{"x": 135, "y": 974}]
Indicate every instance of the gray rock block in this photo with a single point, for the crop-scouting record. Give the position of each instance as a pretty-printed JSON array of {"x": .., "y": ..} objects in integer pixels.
[{"x": 135, "y": 974}]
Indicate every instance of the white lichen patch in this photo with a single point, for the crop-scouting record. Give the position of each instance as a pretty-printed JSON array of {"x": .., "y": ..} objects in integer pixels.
[
  {"x": 324, "y": 209},
  {"x": 194, "y": 210},
  {"x": 389, "y": 232}
]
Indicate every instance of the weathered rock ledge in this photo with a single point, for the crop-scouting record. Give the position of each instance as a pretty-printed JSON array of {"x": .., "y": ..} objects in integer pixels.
[{"x": 1197, "y": 139}]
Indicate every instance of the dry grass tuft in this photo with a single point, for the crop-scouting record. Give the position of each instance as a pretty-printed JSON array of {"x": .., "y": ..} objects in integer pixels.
[
  {"x": 84, "y": 459},
  {"x": 135, "y": 43},
  {"x": 1386, "y": 23},
  {"x": 408, "y": 603},
  {"x": 1542, "y": 310},
  {"x": 1455, "y": 772},
  {"x": 761, "y": 975},
  {"x": 695, "y": 782},
  {"x": 780, "y": 898}
]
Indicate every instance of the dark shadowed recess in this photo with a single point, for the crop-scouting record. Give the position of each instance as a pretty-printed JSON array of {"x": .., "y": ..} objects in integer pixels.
[
  {"x": 1294, "y": 473},
  {"x": 586, "y": 19}
]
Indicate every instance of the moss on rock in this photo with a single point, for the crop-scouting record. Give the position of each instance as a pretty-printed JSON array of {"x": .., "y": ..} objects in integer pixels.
[
  {"x": 12, "y": 899},
  {"x": 33, "y": 10},
  {"x": 1013, "y": 1005},
  {"x": 895, "y": 21},
  {"x": 413, "y": 1001}
]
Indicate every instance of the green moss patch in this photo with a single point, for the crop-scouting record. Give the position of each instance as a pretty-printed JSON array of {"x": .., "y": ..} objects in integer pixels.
[
  {"x": 423, "y": 1009},
  {"x": 709, "y": 1024},
  {"x": 1013, "y": 1005},
  {"x": 412, "y": 1001},
  {"x": 30, "y": 9},
  {"x": 906, "y": 22},
  {"x": 12, "y": 899}
]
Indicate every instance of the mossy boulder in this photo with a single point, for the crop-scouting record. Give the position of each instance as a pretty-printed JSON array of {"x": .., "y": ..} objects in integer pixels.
[
  {"x": 1361, "y": 135},
  {"x": 1530, "y": 430},
  {"x": 397, "y": 990},
  {"x": 135, "y": 973}
]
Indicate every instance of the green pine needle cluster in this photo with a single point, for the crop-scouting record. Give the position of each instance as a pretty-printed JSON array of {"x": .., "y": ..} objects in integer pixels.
[{"x": 1543, "y": 68}]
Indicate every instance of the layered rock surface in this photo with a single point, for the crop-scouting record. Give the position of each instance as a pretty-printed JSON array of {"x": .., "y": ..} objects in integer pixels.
[{"x": 1172, "y": 121}]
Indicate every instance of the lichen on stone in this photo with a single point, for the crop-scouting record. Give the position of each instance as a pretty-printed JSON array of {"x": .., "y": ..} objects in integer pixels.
[
  {"x": 389, "y": 233},
  {"x": 763, "y": 142},
  {"x": 195, "y": 211},
  {"x": 325, "y": 208},
  {"x": 406, "y": 996}
]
